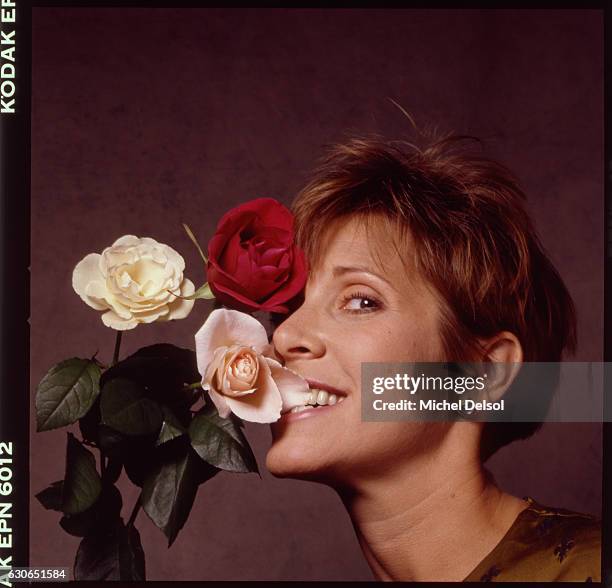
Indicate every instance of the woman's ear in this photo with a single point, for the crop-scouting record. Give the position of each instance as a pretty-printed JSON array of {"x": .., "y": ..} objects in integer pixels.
[{"x": 503, "y": 355}]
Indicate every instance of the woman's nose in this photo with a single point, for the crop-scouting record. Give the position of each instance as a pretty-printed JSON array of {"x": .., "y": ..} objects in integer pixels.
[{"x": 296, "y": 338}]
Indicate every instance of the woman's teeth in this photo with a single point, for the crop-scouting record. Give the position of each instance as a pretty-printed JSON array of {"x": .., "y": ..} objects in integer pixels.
[{"x": 319, "y": 398}]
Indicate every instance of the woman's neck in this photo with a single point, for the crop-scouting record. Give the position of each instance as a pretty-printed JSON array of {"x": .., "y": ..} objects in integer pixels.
[{"x": 432, "y": 521}]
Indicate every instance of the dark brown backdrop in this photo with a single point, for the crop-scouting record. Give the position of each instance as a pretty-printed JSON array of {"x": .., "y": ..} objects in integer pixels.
[{"x": 143, "y": 118}]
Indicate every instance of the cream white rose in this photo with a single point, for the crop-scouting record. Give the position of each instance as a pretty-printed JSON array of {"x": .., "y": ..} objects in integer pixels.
[
  {"x": 233, "y": 358},
  {"x": 135, "y": 281}
]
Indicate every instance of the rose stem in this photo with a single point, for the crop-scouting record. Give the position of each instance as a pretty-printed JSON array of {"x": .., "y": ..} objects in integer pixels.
[
  {"x": 115, "y": 360},
  {"x": 135, "y": 510},
  {"x": 117, "y": 347}
]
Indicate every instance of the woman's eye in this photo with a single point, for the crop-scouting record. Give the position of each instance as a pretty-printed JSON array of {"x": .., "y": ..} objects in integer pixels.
[{"x": 360, "y": 303}]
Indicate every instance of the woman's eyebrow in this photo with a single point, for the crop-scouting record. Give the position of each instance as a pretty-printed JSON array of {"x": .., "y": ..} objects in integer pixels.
[{"x": 340, "y": 270}]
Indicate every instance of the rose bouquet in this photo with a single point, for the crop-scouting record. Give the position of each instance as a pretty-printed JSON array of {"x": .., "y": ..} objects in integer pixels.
[{"x": 170, "y": 418}]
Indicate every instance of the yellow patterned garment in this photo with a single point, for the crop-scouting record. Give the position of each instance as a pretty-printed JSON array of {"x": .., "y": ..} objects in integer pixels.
[{"x": 545, "y": 544}]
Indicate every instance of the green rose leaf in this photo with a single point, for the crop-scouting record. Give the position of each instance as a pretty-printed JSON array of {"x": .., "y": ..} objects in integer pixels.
[
  {"x": 112, "y": 442},
  {"x": 142, "y": 457},
  {"x": 171, "y": 427},
  {"x": 111, "y": 554},
  {"x": 66, "y": 393},
  {"x": 202, "y": 292},
  {"x": 124, "y": 408},
  {"x": 221, "y": 443},
  {"x": 139, "y": 458},
  {"x": 113, "y": 470},
  {"x": 51, "y": 497},
  {"x": 82, "y": 484},
  {"x": 88, "y": 423},
  {"x": 104, "y": 513},
  {"x": 162, "y": 372},
  {"x": 183, "y": 361},
  {"x": 168, "y": 493},
  {"x": 195, "y": 242}
]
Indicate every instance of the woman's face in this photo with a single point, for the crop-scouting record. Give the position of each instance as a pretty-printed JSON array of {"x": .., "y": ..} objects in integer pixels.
[{"x": 354, "y": 311}]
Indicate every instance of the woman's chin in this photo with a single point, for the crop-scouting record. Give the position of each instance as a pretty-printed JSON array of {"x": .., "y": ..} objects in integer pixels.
[{"x": 290, "y": 460}]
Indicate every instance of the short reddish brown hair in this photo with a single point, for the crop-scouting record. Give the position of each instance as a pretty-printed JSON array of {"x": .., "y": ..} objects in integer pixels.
[{"x": 475, "y": 243}]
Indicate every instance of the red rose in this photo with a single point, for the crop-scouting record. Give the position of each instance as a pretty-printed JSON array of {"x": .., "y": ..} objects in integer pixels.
[{"x": 253, "y": 263}]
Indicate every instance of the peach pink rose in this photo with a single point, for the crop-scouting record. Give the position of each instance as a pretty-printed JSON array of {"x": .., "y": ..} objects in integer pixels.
[{"x": 234, "y": 359}]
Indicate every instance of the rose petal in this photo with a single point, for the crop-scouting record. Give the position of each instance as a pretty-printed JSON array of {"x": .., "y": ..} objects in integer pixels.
[
  {"x": 271, "y": 213},
  {"x": 118, "y": 307},
  {"x": 97, "y": 293},
  {"x": 217, "y": 276},
  {"x": 225, "y": 328},
  {"x": 150, "y": 243},
  {"x": 270, "y": 236},
  {"x": 114, "y": 257},
  {"x": 235, "y": 392},
  {"x": 86, "y": 272},
  {"x": 272, "y": 256},
  {"x": 221, "y": 403},
  {"x": 294, "y": 389},
  {"x": 150, "y": 316},
  {"x": 269, "y": 351},
  {"x": 293, "y": 286},
  {"x": 228, "y": 258},
  {"x": 214, "y": 366},
  {"x": 180, "y": 308},
  {"x": 158, "y": 255},
  {"x": 244, "y": 272},
  {"x": 267, "y": 273},
  {"x": 126, "y": 240},
  {"x": 114, "y": 321},
  {"x": 174, "y": 258},
  {"x": 228, "y": 229},
  {"x": 233, "y": 385},
  {"x": 262, "y": 407}
]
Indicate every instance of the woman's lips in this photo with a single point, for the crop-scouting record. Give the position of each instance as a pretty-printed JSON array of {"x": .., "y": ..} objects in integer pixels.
[
  {"x": 322, "y": 386},
  {"x": 289, "y": 417}
]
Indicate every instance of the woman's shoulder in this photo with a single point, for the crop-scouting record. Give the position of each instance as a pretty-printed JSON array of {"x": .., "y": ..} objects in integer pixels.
[{"x": 545, "y": 544}]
